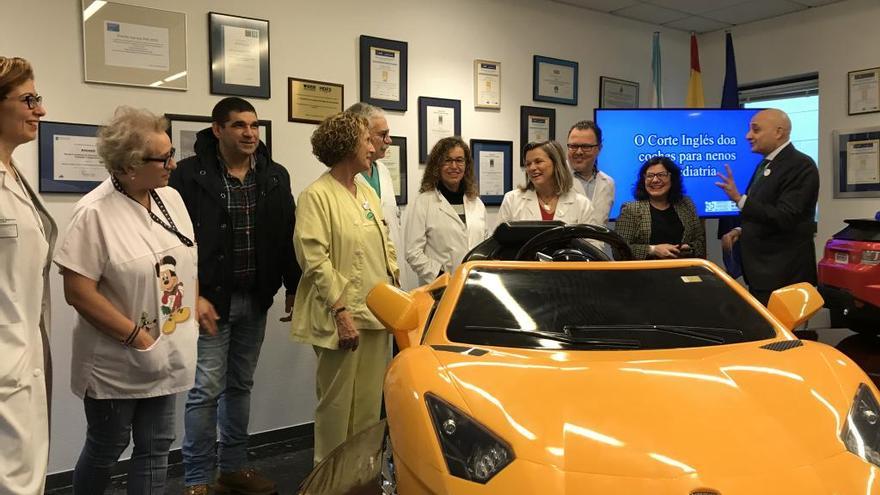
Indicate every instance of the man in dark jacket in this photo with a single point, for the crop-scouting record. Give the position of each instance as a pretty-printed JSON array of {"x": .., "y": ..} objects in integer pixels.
[
  {"x": 242, "y": 210},
  {"x": 777, "y": 211}
]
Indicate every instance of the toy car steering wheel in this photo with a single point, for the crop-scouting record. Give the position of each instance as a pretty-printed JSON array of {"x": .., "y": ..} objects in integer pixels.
[{"x": 563, "y": 237}]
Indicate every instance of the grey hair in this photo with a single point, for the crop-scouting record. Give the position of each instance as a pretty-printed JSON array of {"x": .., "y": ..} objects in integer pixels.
[
  {"x": 366, "y": 110},
  {"x": 123, "y": 143}
]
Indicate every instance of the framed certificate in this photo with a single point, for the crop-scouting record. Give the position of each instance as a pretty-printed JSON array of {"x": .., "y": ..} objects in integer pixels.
[
  {"x": 493, "y": 167},
  {"x": 395, "y": 161},
  {"x": 383, "y": 72},
  {"x": 68, "y": 156},
  {"x": 536, "y": 124},
  {"x": 857, "y": 163},
  {"x": 183, "y": 130},
  {"x": 555, "y": 80},
  {"x": 311, "y": 102},
  {"x": 438, "y": 118},
  {"x": 239, "y": 56},
  {"x": 617, "y": 93},
  {"x": 864, "y": 91},
  {"x": 487, "y": 84},
  {"x": 134, "y": 46}
]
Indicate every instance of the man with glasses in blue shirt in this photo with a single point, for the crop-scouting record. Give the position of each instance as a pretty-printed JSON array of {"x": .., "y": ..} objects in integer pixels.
[{"x": 584, "y": 145}]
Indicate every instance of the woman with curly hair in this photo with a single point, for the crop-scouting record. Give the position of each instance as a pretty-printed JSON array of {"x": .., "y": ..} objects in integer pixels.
[
  {"x": 447, "y": 218},
  {"x": 343, "y": 247},
  {"x": 662, "y": 222}
]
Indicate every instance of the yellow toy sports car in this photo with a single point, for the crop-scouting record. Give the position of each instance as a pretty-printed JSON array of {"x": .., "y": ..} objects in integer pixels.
[{"x": 575, "y": 375}]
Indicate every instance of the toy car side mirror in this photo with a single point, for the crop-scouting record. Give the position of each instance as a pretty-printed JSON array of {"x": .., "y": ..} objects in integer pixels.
[
  {"x": 395, "y": 309},
  {"x": 795, "y": 304}
]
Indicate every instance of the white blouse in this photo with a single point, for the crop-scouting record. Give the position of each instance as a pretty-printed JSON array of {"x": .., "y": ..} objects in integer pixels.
[{"x": 147, "y": 273}]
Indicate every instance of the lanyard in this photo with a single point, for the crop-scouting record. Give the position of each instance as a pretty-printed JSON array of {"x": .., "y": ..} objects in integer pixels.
[{"x": 170, "y": 227}]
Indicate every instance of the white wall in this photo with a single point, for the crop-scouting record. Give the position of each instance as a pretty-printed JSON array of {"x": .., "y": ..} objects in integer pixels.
[
  {"x": 319, "y": 40},
  {"x": 830, "y": 40}
]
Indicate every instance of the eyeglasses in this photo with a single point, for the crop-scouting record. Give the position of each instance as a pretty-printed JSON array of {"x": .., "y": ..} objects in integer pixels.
[
  {"x": 582, "y": 147},
  {"x": 658, "y": 175},
  {"x": 166, "y": 162},
  {"x": 32, "y": 101},
  {"x": 457, "y": 161}
]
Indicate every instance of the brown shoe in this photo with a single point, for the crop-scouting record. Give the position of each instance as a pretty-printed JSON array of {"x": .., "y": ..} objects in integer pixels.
[
  {"x": 244, "y": 482},
  {"x": 197, "y": 490}
]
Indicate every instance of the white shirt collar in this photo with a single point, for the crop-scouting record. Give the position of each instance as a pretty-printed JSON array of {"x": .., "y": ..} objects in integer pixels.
[{"x": 770, "y": 156}]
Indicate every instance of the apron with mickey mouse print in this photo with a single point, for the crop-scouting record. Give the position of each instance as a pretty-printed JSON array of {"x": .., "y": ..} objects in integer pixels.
[{"x": 150, "y": 276}]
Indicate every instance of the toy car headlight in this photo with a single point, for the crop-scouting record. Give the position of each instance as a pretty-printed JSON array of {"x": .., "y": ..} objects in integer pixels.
[
  {"x": 471, "y": 451},
  {"x": 861, "y": 433}
]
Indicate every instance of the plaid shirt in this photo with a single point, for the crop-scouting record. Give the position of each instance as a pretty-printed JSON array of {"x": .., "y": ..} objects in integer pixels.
[{"x": 241, "y": 202}]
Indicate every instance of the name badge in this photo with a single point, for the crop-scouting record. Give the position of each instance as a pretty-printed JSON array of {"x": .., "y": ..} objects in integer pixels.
[{"x": 8, "y": 228}]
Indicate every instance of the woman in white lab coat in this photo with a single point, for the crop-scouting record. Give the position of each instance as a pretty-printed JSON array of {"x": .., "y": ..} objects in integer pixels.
[
  {"x": 548, "y": 193},
  {"x": 27, "y": 234},
  {"x": 447, "y": 218}
]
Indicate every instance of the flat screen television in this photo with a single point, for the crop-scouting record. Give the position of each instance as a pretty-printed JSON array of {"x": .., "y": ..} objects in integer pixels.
[{"x": 700, "y": 141}]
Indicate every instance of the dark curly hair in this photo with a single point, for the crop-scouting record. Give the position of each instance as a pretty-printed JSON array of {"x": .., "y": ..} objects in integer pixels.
[
  {"x": 337, "y": 137},
  {"x": 676, "y": 186},
  {"x": 435, "y": 162}
]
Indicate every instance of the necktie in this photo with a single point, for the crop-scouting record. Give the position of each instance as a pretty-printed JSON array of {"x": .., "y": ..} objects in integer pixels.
[{"x": 759, "y": 172}]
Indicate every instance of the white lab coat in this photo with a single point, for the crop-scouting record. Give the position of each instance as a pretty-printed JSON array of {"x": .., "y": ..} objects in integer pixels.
[
  {"x": 436, "y": 238},
  {"x": 602, "y": 197},
  {"x": 572, "y": 207},
  {"x": 27, "y": 236}
]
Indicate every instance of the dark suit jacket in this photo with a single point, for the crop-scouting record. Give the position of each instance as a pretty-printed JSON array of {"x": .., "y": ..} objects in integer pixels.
[
  {"x": 778, "y": 223},
  {"x": 634, "y": 226}
]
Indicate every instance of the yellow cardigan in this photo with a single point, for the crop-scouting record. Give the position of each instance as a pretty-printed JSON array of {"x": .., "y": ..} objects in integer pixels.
[{"x": 329, "y": 241}]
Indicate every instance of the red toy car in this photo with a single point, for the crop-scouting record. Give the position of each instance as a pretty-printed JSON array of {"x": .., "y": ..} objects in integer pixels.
[{"x": 849, "y": 276}]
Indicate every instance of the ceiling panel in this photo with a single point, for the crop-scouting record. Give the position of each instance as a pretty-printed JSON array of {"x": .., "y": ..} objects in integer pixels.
[
  {"x": 695, "y": 6},
  {"x": 602, "y": 5},
  {"x": 753, "y": 10},
  {"x": 697, "y": 24},
  {"x": 650, "y": 13}
]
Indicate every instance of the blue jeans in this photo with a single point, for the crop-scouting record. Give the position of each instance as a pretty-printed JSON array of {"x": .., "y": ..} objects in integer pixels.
[
  {"x": 111, "y": 424},
  {"x": 221, "y": 395}
]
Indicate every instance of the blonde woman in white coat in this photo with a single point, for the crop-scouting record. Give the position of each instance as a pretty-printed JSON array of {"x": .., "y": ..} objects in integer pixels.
[
  {"x": 447, "y": 218},
  {"x": 548, "y": 192}
]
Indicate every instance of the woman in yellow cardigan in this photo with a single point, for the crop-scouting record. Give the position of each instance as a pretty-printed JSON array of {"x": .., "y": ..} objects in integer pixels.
[{"x": 343, "y": 247}]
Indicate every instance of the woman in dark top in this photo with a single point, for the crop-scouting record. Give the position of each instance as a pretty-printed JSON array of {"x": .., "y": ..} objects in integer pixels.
[{"x": 662, "y": 222}]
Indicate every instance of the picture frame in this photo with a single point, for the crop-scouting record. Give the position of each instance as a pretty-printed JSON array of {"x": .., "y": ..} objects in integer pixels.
[
  {"x": 239, "y": 56},
  {"x": 310, "y": 102},
  {"x": 68, "y": 158},
  {"x": 857, "y": 163},
  {"x": 438, "y": 118},
  {"x": 536, "y": 124},
  {"x": 130, "y": 45},
  {"x": 555, "y": 80},
  {"x": 182, "y": 130},
  {"x": 618, "y": 93},
  {"x": 395, "y": 161},
  {"x": 863, "y": 91},
  {"x": 383, "y": 72},
  {"x": 488, "y": 155},
  {"x": 487, "y": 84}
]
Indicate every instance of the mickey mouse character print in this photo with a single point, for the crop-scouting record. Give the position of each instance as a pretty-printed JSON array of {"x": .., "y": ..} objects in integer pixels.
[{"x": 172, "y": 295}]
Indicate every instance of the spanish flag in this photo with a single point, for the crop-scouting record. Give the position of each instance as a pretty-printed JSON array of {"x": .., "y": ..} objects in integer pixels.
[{"x": 695, "y": 85}]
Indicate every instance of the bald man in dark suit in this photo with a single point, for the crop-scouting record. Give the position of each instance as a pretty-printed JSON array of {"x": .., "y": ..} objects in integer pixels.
[{"x": 777, "y": 210}]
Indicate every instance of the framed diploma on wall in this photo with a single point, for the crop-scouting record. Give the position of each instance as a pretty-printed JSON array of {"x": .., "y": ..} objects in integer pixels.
[
  {"x": 68, "y": 156},
  {"x": 313, "y": 101},
  {"x": 536, "y": 124},
  {"x": 438, "y": 118},
  {"x": 395, "y": 161},
  {"x": 617, "y": 93},
  {"x": 383, "y": 72},
  {"x": 133, "y": 46},
  {"x": 493, "y": 167},
  {"x": 239, "y": 56},
  {"x": 857, "y": 163},
  {"x": 863, "y": 95},
  {"x": 555, "y": 80},
  {"x": 487, "y": 84},
  {"x": 183, "y": 131}
]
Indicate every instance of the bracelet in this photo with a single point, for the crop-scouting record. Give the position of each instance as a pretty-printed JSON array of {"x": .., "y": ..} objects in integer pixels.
[
  {"x": 335, "y": 311},
  {"x": 128, "y": 340}
]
